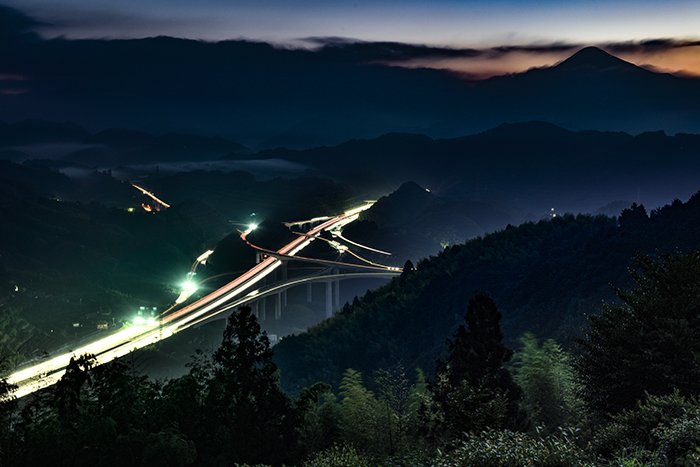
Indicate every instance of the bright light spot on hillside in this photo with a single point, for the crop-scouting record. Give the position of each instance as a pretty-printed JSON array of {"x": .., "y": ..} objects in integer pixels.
[
  {"x": 140, "y": 320},
  {"x": 189, "y": 286},
  {"x": 187, "y": 289}
]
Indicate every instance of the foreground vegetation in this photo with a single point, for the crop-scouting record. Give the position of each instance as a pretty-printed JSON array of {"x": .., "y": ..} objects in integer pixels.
[{"x": 629, "y": 396}]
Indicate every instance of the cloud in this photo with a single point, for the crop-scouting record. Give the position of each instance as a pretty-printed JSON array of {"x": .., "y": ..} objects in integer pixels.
[
  {"x": 649, "y": 45},
  {"x": 662, "y": 54},
  {"x": 14, "y": 24},
  {"x": 373, "y": 51},
  {"x": 402, "y": 50},
  {"x": 659, "y": 54},
  {"x": 362, "y": 51},
  {"x": 470, "y": 63}
]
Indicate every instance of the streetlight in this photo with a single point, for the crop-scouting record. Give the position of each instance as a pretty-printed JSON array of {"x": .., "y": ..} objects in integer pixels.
[{"x": 187, "y": 289}]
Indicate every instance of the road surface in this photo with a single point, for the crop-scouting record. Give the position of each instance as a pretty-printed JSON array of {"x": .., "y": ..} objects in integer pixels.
[{"x": 45, "y": 373}]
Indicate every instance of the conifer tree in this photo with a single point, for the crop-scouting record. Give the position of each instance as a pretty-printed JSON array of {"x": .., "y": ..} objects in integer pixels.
[
  {"x": 473, "y": 389},
  {"x": 257, "y": 423},
  {"x": 68, "y": 390}
]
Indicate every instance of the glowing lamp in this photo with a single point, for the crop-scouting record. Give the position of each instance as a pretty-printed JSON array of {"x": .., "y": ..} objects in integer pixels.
[{"x": 189, "y": 286}]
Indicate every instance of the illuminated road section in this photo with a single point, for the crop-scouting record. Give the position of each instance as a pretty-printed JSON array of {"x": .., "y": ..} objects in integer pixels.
[
  {"x": 128, "y": 339},
  {"x": 151, "y": 195}
]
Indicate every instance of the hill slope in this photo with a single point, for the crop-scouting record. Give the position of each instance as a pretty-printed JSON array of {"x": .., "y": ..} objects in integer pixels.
[
  {"x": 544, "y": 277},
  {"x": 528, "y": 165},
  {"x": 412, "y": 222}
]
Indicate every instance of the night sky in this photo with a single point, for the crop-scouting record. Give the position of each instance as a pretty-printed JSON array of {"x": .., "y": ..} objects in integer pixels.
[{"x": 480, "y": 24}]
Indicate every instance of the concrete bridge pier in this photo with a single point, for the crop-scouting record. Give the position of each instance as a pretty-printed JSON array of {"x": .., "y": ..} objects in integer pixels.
[
  {"x": 332, "y": 295},
  {"x": 329, "y": 299},
  {"x": 278, "y": 306}
]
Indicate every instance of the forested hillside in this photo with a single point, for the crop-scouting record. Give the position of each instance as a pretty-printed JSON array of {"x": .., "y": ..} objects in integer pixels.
[
  {"x": 627, "y": 396},
  {"x": 412, "y": 222},
  {"x": 545, "y": 277}
]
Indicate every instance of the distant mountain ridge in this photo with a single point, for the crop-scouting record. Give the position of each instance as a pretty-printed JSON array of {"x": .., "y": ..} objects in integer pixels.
[
  {"x": 527, "y": 165},
  {"x": 33, "y": 131},
  {"x": 265, "y": 97},
  {"x": 521, "y": 165},
  {"x": 112, "y": 147}
]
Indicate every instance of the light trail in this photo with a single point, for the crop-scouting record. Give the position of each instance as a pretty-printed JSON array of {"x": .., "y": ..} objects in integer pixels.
[
  {"x": 277, "y": 254},
  {"x": 341, "y": 249},
  {"x": 350, "y": 216},
  {"x": 128, "y": 339},
  {"x": 151, "y": 195},
  {"x": 307, "y": 221},
  {"x": 202, "y": 259},
  {"x": 339, "y": 234},
  {"x": 372, "y": 263}
]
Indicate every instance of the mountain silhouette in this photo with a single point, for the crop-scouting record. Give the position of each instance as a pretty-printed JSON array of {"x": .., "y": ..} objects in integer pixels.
[
  {"x": 391, "y": 222},
  {"x": 265, "y": 97},
  {"x": 595, "y": 60},
  {"x": 401, "y": 205},
  {"x": 594, "y": 90},
  {"x": 525, "y": 165}
]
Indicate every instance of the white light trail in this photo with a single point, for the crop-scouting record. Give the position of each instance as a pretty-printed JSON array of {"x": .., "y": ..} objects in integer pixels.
[
  {"x": 202, "y": 259},
  {"x": 151, "y": 195},
  {"x": 130, "y": 338}
]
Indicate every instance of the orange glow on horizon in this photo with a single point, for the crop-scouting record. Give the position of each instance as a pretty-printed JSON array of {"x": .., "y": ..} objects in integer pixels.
[{"x": 682, "y": 61}]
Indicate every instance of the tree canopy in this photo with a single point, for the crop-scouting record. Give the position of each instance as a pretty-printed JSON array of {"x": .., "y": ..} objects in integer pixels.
[{"x": 648, "y": 341}]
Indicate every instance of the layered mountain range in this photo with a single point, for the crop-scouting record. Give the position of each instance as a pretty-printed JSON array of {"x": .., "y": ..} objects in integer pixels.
[{"x": 267, "y": 96}]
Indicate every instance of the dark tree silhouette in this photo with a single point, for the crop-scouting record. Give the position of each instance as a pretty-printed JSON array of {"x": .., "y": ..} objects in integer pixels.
[
  {"x": 473, "y": 388},
  {"x": 123, "y": 394},
  {"x": 476, "y": 351},
  {"x": 68, "y": 388},
  {"x": 634, "y": 217},
  {"x": 649, "y": 342},
  {"x": 256, "y": 421}
]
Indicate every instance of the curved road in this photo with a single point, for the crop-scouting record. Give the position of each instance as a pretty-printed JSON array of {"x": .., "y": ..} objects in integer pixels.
[{"x": 40, "y": 375}]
